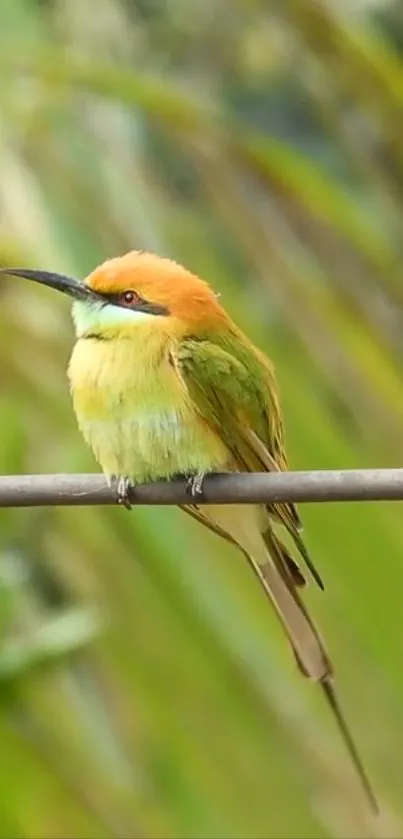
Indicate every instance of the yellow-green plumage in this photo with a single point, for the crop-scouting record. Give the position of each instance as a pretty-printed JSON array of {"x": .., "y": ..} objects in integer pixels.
[{"x": 135, "y": 411}]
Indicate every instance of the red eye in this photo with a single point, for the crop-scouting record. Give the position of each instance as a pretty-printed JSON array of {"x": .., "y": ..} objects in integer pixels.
[{"x": 128, "y": 298}]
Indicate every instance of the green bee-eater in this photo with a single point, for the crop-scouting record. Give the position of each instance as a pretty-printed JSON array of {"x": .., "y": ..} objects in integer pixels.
[{"x": 164, "y": 384}]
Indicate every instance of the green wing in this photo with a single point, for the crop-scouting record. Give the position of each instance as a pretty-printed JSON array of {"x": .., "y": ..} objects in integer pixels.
[{"x": 235, "y": 391}]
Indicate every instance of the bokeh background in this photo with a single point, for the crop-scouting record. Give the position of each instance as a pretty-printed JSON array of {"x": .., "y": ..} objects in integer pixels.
[{"x": 145, "y": 687}]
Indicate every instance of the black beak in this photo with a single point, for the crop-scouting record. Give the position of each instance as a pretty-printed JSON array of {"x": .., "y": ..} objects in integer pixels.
[{"x": 68, "y": 285}]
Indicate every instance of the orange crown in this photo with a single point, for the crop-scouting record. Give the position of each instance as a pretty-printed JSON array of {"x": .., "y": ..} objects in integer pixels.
[{"x": 161, "y": 281}]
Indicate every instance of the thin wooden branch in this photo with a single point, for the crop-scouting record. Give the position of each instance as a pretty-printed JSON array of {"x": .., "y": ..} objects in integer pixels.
[{"x": 239, "y": 488}]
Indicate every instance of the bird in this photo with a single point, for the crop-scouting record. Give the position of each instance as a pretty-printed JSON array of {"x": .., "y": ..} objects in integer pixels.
[{"x": 165, "y": 384}]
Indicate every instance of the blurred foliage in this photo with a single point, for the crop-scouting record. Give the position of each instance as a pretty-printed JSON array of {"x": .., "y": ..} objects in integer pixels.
[{"x": 145, "y": 688}]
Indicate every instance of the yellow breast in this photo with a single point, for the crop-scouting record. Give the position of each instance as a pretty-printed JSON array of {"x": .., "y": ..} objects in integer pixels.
[{"x": 134, "y": 409}]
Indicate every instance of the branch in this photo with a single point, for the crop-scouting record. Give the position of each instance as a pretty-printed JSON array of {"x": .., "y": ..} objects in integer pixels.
[{"x": 238, "y": 488}]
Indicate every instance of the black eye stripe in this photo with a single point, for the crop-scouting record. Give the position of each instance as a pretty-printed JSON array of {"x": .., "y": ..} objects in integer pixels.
[
  {"x": 151, "y": 308},
  {"x": 138, "y": 305}
]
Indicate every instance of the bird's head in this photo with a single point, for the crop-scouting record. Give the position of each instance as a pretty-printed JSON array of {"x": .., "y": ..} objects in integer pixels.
[{"x": 135, "y": 289}]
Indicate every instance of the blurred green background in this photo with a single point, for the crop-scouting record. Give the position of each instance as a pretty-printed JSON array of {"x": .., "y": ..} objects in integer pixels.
[{"x": 146, "y": 690}]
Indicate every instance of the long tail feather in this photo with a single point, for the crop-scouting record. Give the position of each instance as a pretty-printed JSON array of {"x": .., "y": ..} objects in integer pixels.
[
  {"x": 301, "y": 632},
  {"x": 268, "y": 559},
  {"x": 332, "y": 701},
  {"x": 310, "y": 653}
]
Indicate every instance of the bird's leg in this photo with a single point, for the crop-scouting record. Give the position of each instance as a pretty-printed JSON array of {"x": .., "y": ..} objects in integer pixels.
[
  {"x": 123, "y": 486},
  {"x": 194, "y": 484}
]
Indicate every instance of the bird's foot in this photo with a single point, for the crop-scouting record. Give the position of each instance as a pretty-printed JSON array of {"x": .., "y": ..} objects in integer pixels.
[
  {"x": 123, "y": 486},
  {"x": 194, "y": 484}
]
